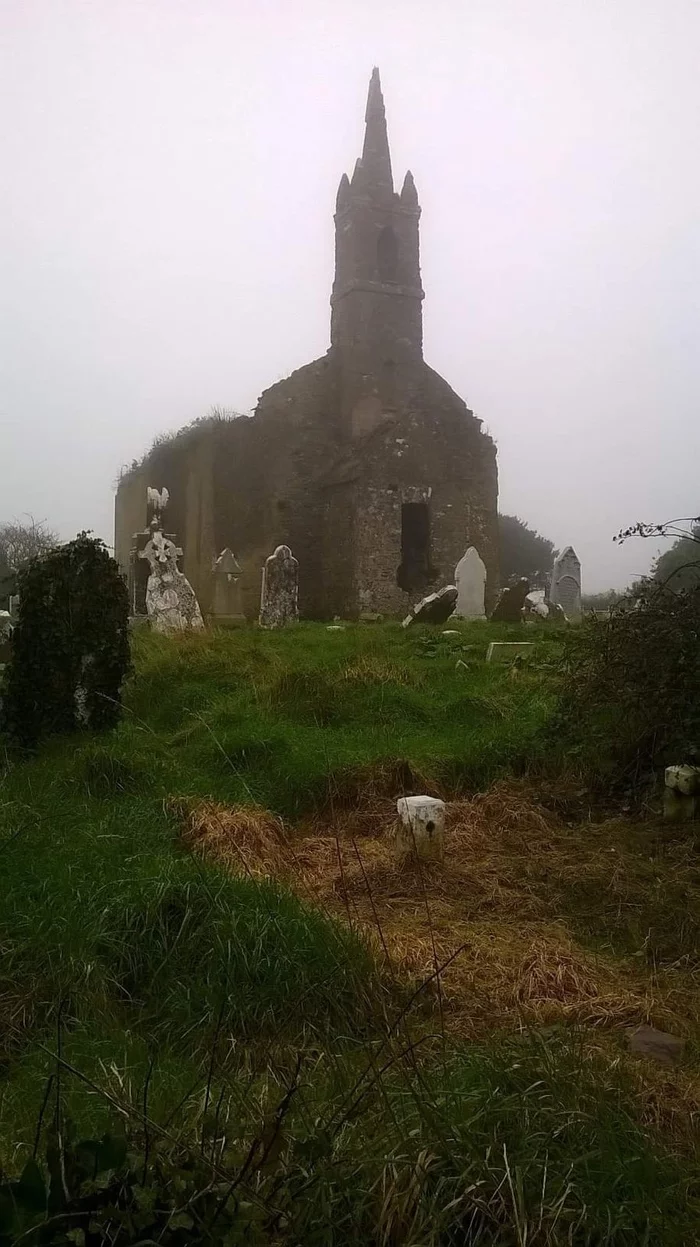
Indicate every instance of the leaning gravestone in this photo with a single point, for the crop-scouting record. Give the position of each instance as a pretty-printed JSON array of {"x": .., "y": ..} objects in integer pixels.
[
  {"x": 171, "y": 604},
  {"x": 435, "y": 609},
  {"x": 226, "y": 605},
  {"x": 565, "y": 589},
  {"x": 70, "y": 645},
  {"x": 509, "y": 608},
  {"x": 279, "y": 596},
  {"x": 470, "y": 578}
]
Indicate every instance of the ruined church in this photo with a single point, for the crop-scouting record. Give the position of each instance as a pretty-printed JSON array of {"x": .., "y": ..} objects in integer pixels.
[{"x": 365, "y": 462}]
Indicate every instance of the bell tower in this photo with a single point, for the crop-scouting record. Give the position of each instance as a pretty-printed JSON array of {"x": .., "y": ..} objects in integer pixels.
[{"x": 377, "y": 294}]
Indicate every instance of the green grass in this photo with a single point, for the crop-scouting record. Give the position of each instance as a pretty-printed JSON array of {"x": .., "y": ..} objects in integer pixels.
[
  {"x": 172, "y": 987},
  {"x": 285, "y": 718}
]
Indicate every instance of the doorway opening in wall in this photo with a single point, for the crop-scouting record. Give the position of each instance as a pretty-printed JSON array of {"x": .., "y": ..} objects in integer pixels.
[{"x": 415, "y": 570}]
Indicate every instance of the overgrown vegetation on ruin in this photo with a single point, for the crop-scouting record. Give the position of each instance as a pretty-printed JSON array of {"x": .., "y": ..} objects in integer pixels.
[
  {"x": 209, "y": 951},
  {"x": 183, "y": 436}
]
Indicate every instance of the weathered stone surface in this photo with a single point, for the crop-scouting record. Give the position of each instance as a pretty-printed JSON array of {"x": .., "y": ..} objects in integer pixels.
[
  {"x": 435, "y": 609},
  {"x": 280, "y": 589},
  {"x": 14, "y": 607},
  {"x": 227, "y": 605},
  {"x": 538, "y": 610},
  {"x": 659, "y": 1045},
  {"x": 470, "y": 578},
  {"x": 509, "y": 608},
  {"x": 5, "y": 625},
  {"x": 171, "y": 604},
  {"x": 365, "y": 461},
  {"x": 685, "y": 779},
  {"x": 506, "y": 651},
  {"x": 565, "y": 590},
  {"x": 421, "y": 830}
]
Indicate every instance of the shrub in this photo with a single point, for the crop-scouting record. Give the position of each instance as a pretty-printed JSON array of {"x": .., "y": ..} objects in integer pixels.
[
  {"x": 633, "y": 683},
  {"x": 70, "y": 648}
]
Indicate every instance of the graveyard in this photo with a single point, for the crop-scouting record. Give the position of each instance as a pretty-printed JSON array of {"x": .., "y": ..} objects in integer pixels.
[
  {"x": 349, "y": 873},
  {"x": 214, "y": 949}
]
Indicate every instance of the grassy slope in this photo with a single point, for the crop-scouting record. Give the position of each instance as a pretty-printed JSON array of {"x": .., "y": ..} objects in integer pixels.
[{"x": 153, "y": 959}]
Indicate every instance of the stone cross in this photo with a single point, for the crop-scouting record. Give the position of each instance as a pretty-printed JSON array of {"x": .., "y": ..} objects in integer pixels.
[
  {"x": 280, "y": 589},
  {"x": 565, "y": 590},
  {"x": 470, "y": 579},
  {"x": 171, "y": 604},
  {"x": 227, "y": 590}
]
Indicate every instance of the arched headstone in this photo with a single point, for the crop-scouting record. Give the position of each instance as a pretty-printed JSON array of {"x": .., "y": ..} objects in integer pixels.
[
  {"x": 470, "y": 579},
  {"x": 565, "y": 590},
  {"x": 280, "y": 589}
]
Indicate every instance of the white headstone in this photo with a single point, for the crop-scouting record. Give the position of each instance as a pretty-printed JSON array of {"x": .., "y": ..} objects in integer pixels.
[
  {"x": 470, "y": 579},
  {"x": 280, "y": 589},
  {"x": 421, "y": 832},
  {"x": 565, "y": 589}
]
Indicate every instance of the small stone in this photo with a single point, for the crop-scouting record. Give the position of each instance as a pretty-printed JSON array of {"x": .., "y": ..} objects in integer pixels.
[
  {"x": 450, "y": 632},
  {"x": 421, "y": 831},
  {"x": 659, "y": 1045},
  {"x": 335, "y": 627},
  {"x": 507, "y": 651}
]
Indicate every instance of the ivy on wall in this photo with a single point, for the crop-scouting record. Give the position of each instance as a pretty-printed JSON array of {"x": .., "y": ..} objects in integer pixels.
[{"x": 70, "y": 647}]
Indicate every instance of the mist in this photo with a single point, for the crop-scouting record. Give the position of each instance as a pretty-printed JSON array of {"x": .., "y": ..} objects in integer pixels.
[{"x": 166, "y": 235}]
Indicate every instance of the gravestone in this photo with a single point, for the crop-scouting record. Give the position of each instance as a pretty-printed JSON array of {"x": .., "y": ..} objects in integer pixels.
[
  {"x": 470, "y": 578},
  {"x": 509, "y": 608},
  {"x": 14, "y": 607},
  {"x": 139, "y": 564},
  {"x": 171, "y": 604},
  {"x": 507, "y": 651},
  {"x": 279, "y": 595},
  {"x": 5, "y": 635},
  {"x": 436, "y": 608},
  {"x": 226, "y": 603},
  {"x": 565, "y": 590},
  {"x": 538, "y": 609},
  {"x": 421, "y": 830}
]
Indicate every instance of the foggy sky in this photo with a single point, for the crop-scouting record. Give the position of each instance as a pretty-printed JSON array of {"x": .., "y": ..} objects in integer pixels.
[{"x": 166, "y": 234}]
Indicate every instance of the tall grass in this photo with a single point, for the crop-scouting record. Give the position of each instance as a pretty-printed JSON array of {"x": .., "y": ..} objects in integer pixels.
[{"x": 189, "y": 1004}]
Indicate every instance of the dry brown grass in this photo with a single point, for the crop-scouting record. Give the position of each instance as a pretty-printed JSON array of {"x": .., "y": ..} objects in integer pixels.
[{"x": 497, "y": 896}]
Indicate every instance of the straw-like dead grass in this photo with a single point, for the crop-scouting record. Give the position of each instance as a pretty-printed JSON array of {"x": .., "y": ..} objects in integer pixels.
[{"x": 500, "y": 897}]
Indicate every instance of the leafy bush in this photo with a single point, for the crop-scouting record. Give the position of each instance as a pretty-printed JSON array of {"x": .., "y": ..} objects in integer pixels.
[
  {"x": 70, "y": 649},
  {"x": 633, "y": 684}
]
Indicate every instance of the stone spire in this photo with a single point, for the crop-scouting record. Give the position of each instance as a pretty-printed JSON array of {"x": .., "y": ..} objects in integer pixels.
[{"x": 376, "y": 161}]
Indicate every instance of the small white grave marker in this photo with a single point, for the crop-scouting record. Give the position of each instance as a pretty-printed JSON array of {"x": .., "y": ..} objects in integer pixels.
[{"x": 421, "y": 832}]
